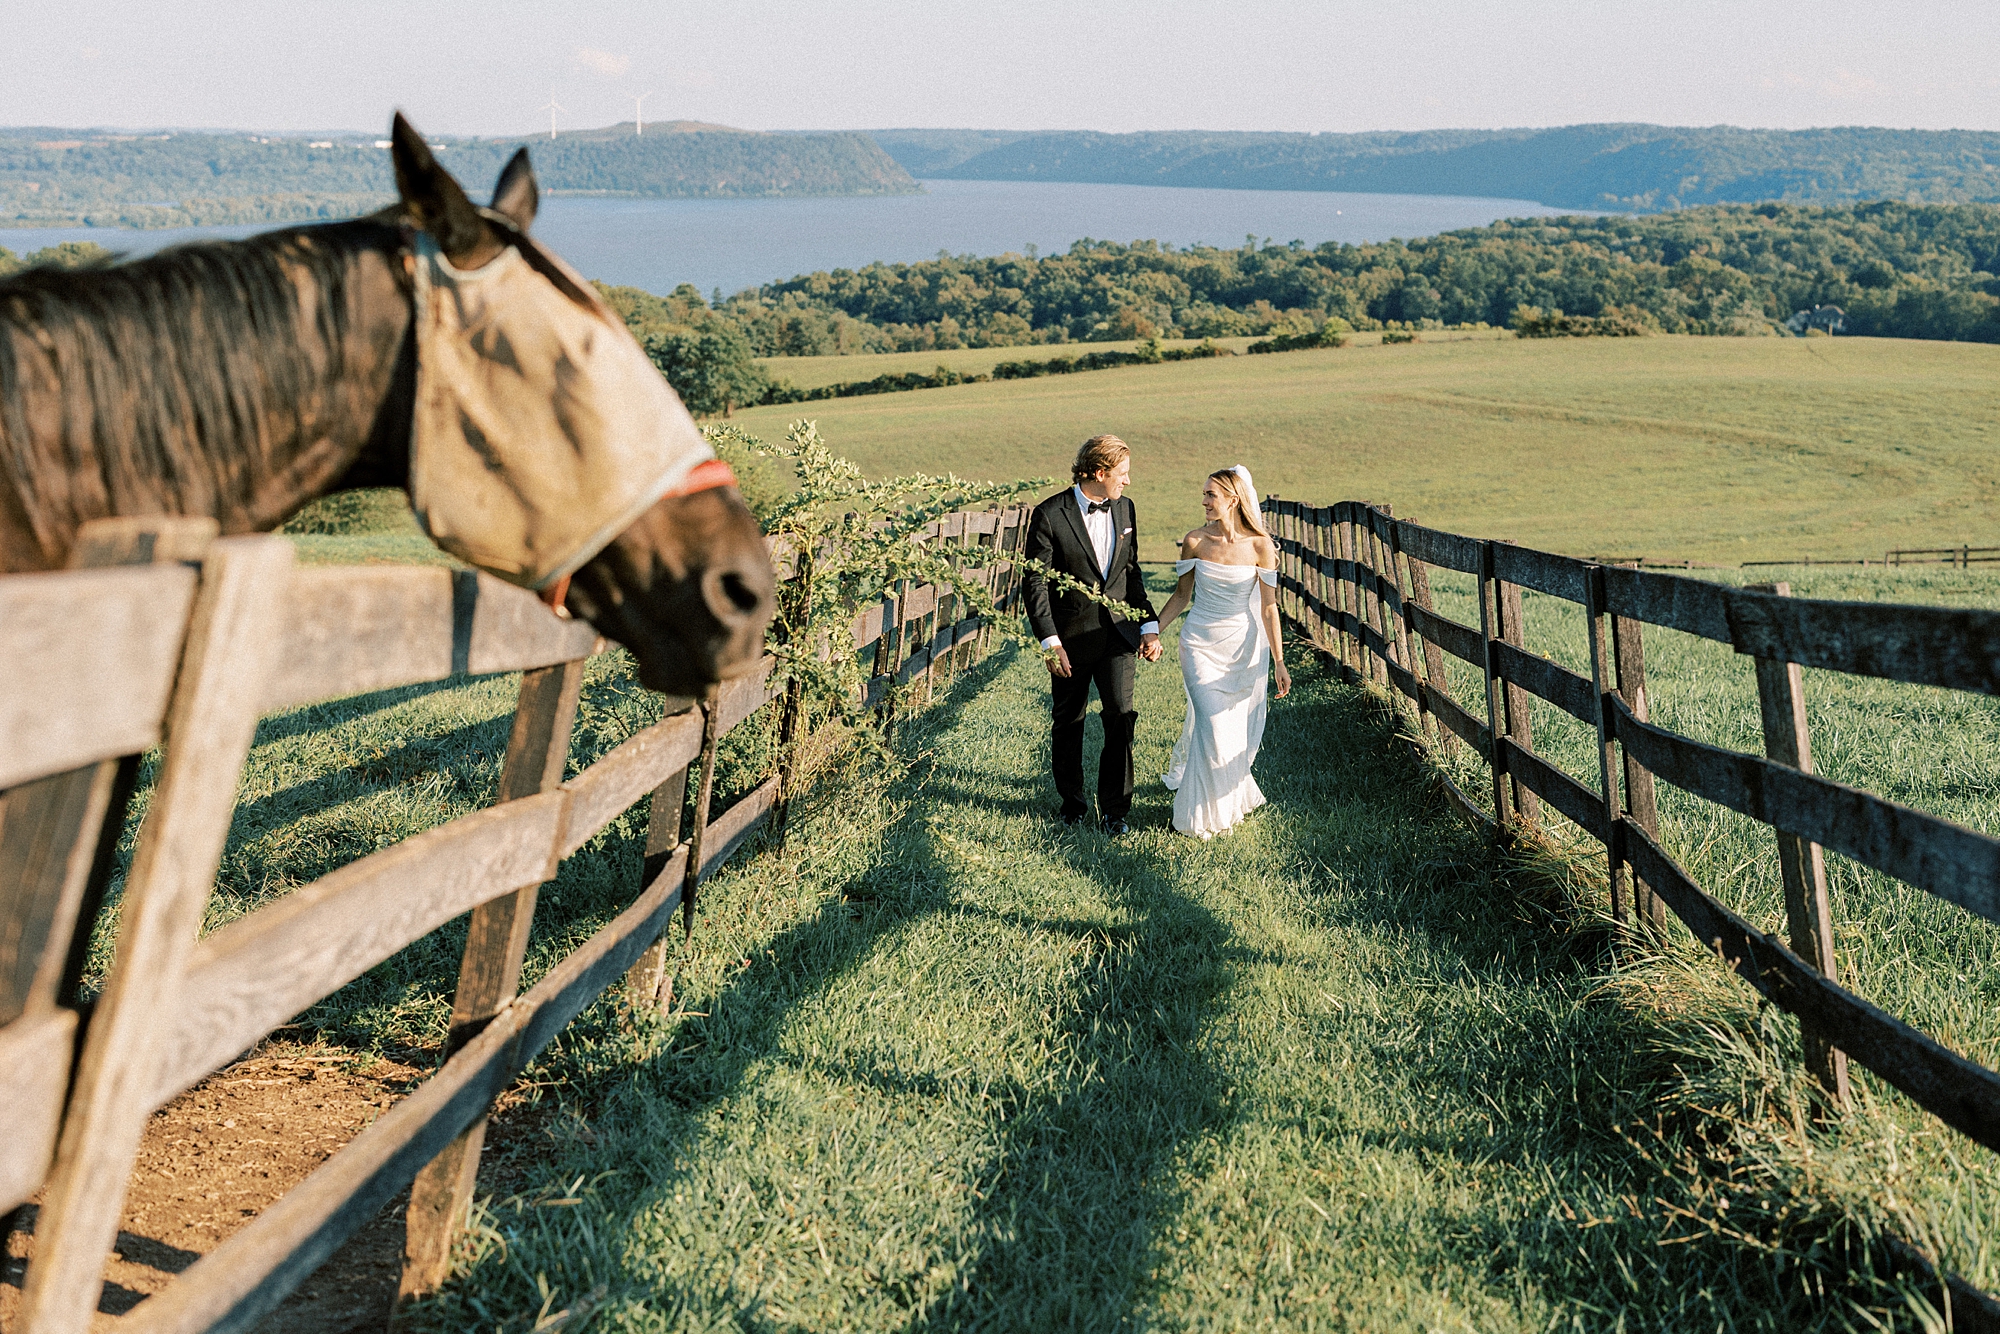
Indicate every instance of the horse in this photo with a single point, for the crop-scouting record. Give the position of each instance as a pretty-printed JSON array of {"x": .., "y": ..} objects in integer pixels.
[{"x": 433, "y": 346}]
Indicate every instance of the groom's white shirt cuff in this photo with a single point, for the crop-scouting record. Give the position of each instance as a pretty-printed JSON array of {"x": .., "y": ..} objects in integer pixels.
[{"x": 1149, "y": 628}]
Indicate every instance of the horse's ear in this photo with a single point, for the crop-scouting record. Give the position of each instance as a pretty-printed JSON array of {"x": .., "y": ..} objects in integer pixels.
[
  {"x": 435, "y": 201},
  {"x": 516, "y": 197}
]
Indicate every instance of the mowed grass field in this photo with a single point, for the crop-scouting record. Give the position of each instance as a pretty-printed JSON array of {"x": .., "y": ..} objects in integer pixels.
[
  {"x": 1716, "y": 449},
  {"x": 953, "y": 1067}
]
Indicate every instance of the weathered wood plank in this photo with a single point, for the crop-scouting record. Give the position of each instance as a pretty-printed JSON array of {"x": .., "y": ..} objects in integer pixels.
[
  {"x": 89, "y": 658},
  {"x": 1461, "y": 641},
  {"x": 1464, "y": 725},
  {"x": 49, "y": 838},
  {"x": 1559, "y": 576},
  {"x": 1556, "y": 684},
  {"x": 1692, "y": 605},
  {"x": 867, "y": 626},
  {"x": 347, "y": 629},
  {"x": 1957, "y": 864},
  {"x": 729, "y": 831},
  {"x": 228, "y": 1289},
  {"x": 920, "y": 601},
  {"x": 1433, "y": 547},
  {"x": 639, "y": 764},
  {"x": 35, "y": 1053},
  {"x": 210, "y": 723},
  {"x": 1957, "y": 647},
  {"x": 1557, "y": 788},
  {"x": 1959, "y": 1092},
  {"x": 258, "y": 971},
  {"x": 740, "y": 696}
]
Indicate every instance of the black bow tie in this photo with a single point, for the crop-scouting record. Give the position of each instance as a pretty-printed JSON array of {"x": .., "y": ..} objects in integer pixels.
[{"x": 1099, "y": 506}]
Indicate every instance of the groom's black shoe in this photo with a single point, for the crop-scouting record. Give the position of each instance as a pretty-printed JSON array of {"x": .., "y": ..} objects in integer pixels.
[
  {"x": 1072, "y": 817},
  {"x": 1116, "y": 828}
]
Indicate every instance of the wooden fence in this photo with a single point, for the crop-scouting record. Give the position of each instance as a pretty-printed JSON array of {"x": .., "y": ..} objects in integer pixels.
[
  {"x": 1961, "y": 556},
  {"x": 1355, "y": 581},
  {"x": 185, "y": 640}
]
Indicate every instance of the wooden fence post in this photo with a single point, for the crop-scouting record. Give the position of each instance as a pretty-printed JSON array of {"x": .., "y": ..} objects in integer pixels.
[
  {"x": 1434, "y": 670},
  {"x": 211, "y": 722},
  {"x": 1344, "y": 595},
  {"x": 1628, "y": 651},
  {"x": 1322, "y": 585},
  {"x": 704, "y": 796},
  {"x": 1617, "y": 867},
  {"x": 649, "y": 981},
  {"x": 1520, "y": 721},
  {"x": 1392, "y": 611},
  {"x": 1496, "y": 713},
  {"x": 1809, "y": 917},
  {"x": 489, "y": 972},
  {"x": 1417, "y": 663}
]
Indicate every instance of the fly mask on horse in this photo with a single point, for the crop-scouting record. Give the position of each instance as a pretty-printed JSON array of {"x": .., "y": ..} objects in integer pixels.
[{"x": 541, "y": 434}]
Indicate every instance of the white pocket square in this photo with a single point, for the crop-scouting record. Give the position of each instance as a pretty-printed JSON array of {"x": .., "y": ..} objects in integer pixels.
[{"x": 1126, "y": 533}]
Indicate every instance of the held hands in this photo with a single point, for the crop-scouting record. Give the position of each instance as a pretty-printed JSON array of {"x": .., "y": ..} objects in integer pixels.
[
  {"x": 1284, "y": 680},
  {"x": 1149, "y": 647}
]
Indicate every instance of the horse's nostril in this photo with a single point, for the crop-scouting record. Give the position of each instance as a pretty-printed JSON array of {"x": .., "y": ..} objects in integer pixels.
[{"x": 740, "y": 594}]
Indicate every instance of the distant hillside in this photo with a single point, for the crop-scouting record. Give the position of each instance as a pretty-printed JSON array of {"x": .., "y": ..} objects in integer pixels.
[
  {"x": 1616, "y": 167},
  {"x": 54, "y": 177}
]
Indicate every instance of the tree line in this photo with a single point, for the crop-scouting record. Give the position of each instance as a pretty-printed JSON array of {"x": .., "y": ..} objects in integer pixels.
[
  {"x": 69, "y": 178},
  {"x": 1898, "y": 270}
]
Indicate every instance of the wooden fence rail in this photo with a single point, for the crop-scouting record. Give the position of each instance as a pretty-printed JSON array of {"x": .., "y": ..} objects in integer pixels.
[
  {"x": 1355, "y": 582},
  {"x": 186, "y": 644}
]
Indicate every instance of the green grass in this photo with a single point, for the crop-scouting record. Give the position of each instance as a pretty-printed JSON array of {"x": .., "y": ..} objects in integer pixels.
[
  {"x": 1724, "y": 449},
  {"x": 947, "y": 1066},
  {"x": 1924, "y": 960}
]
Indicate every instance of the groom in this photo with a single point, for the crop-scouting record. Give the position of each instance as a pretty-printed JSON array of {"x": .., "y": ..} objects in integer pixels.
[{"x": 1090, "y": 532}]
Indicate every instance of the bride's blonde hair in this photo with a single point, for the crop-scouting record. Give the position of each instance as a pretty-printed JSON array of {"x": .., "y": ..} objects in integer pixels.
[{"x": 1248, "y": 516}]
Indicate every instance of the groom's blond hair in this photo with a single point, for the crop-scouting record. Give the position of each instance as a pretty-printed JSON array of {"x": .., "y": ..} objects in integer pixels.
[
  {"x": 1099, "y": 453},
  {"x": 1248, "y": 514}
]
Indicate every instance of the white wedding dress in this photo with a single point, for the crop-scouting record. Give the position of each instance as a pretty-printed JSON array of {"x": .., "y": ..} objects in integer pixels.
[{"x": 1224, "y": 663}]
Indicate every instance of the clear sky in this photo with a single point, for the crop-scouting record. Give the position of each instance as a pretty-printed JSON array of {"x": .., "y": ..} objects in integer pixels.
[{"x": 489, "y": 67}]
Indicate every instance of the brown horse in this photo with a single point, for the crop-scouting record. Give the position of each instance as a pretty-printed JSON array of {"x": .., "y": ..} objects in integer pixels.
[{"x": 242, "y": 379}]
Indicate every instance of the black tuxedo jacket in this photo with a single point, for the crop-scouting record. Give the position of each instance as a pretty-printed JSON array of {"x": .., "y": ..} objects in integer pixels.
[{"x": 1056, "y": 537}]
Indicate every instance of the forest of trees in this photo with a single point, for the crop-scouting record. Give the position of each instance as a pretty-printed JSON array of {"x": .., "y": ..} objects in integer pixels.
[
  {"x": 51, "y": 178},
  {"x": 1622, "y": 167},
  {"x": 1898, "y": 270}
]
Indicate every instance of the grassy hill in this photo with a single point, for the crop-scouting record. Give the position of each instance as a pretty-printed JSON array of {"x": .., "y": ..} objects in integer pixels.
[
  {"x": 1723, "y": 449},
  {"x": 54, "y": 177},
  {"x": 1619, "y": 166}
]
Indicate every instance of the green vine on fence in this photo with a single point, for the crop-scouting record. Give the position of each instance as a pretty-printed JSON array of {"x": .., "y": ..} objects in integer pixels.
[{"x": 843, "y": 542}]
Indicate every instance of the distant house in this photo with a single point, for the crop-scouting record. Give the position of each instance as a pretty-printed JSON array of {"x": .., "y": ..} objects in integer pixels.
[{"x": 1830, "y": 318}]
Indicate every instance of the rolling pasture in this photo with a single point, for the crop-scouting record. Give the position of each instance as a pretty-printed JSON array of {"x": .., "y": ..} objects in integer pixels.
[{"x": 1712, "y": 449}]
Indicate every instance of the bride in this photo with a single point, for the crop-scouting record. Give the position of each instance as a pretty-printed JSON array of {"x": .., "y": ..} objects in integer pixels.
[{"x": 1229, "y": 588}]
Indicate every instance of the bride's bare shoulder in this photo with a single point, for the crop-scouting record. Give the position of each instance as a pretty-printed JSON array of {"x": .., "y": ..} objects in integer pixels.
[
  {"x": 1267, "y": 552},
  {"x": 1191, "y": 544}
]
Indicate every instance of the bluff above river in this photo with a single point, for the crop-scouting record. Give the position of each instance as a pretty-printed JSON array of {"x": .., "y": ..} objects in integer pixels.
[
  {"x": 59, "y": 177},
  {"x": 1619, "y": 167}
]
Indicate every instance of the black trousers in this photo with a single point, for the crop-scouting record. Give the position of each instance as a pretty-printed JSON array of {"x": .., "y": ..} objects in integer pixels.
[{"x": 1101, "y": 658}]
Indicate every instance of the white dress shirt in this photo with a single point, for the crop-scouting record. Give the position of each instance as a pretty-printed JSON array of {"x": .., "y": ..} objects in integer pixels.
[{"x": 1103, "y": 533}]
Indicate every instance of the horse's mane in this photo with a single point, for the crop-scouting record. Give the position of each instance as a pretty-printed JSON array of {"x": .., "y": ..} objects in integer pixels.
[{"x": 177, "y": 375}]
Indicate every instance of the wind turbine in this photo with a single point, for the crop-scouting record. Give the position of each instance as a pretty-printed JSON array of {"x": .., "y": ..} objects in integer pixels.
[
  {"x": 552, "y": 108},
  {"x": 639, "y": 111}
]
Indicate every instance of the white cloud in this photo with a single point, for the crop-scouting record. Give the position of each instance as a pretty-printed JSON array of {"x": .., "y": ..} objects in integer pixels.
[{"x": 602, "y": 62}]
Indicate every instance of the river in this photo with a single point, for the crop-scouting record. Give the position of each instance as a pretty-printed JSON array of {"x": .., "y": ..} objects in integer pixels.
[{"x": 739, "y": 243}]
